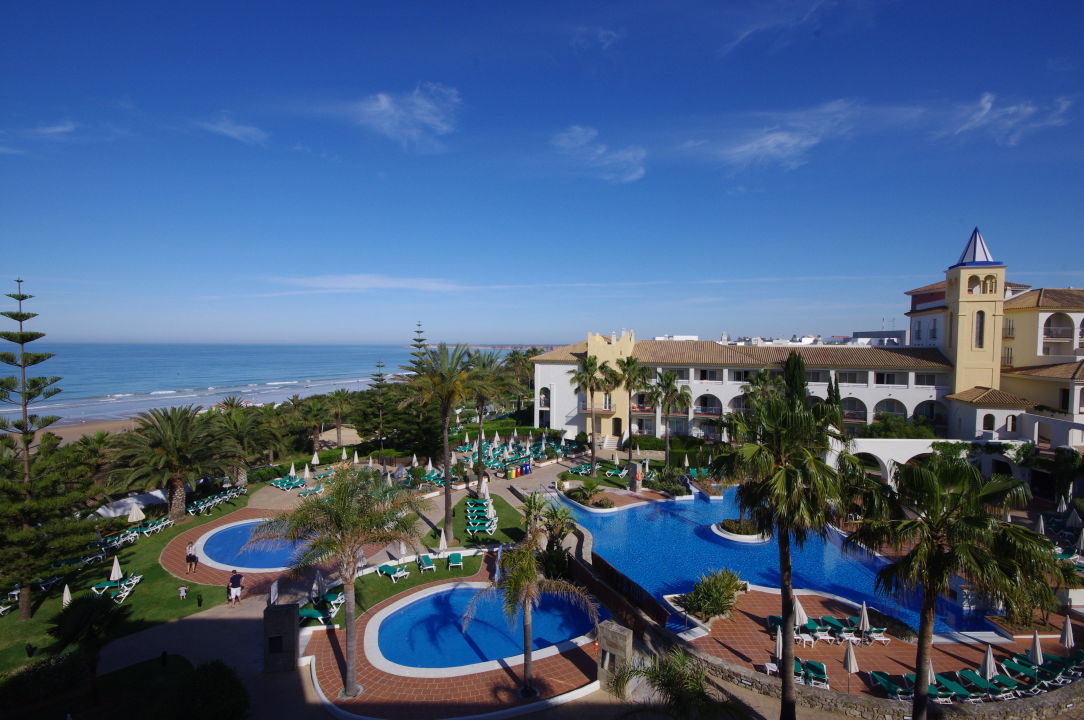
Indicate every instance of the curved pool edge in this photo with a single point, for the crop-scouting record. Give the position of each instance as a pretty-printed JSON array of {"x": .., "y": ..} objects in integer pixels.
[
  {"x": 371, "y": 641},
  {"x": 207, "y": 560}
]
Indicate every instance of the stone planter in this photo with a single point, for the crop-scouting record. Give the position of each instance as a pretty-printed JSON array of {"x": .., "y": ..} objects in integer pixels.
[
  {"x": 674, "y": 601},
  {"x": 751, "y": 539}
]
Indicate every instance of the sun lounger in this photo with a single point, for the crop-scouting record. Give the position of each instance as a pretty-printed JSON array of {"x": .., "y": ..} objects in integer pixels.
[
  {"x": 312, "y": 614},
  {"x": 936, "y": 693},
  {"x": 455, "y": 560},
  {"x": 120, "y": 594},
  {"x": 958, "y": 691},
  {"x": 815, "y": 674},
  {"x": 1018, "y": 687},
  {"x": 333, "y": 601},
  {"x": 972, "y": 679},
  {"x": 877, "y": 635},
  {"x": 5, "y": 609},
  {"x": 893, "y": 690},
  {"x": 425, "y": 563},
  {"x": 832, "y": 623},
  {"x": 393, "y": 572},
  {"x": 617, "y": 473},
  {"x": 314, "y": 491}
]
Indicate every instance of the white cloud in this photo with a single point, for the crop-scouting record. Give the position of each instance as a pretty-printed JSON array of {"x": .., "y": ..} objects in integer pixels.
[
  {"x": 620, "y": 165},
  {"x": 225, "y": 126},
  {"x": 415, "y": 119},
  {"x": 1007, "y": 124},
  {"x": 56, "y": 131},
  {"x": 589, "y": 38},
  {"x": 368, "y": 281},
  {"x": 5, "y": 150},
  {"x": 781, "y": 18}
]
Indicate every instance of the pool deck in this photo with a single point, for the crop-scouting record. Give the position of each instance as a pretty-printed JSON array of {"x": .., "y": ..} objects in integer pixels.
[{"x": 397, "y": 697}]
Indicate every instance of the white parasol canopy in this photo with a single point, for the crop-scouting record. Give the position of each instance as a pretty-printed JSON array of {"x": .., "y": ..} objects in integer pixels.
[
  {"x": 293, "y": 470},
  {"x": 442, "y": 546},
  {"x": 429, "y": 465},
  {"x": 116, "y": 573},
  {"x": 686, "y": 461},
  {"x": 850, "y": 663},
  {"x": 1074, "y": 520},
  {"x": 66, "y": 598},
  {"x": 344, "y": 453},
  {"x": 414, "y": 460},
  {"x": 356, "y": 457},
  {"x": 315, "y": 459},
  {"x": 1067, "y": 639},
  {"x": 484, "y": 491},
  {"x": 863, "y": 618},
  {"x": 929, "y": 670},
  {"x": 778, "y": 645},
  {"x": 496, "y": 438},
  {"x": 800, "y": 617},
  {"x": 1062, "y": 507},
  {"x": 1040, "y": 527},
  {"x": 1036, "y": 654},
  {"x": 307, "y": 475},
  {"x": 466, "y": 438},
  {"x": 638, "y": 453},
  {"x": 370, "y": 461},
  {"x": 1080, "y": 543},
  {"x": 988, "y": 668},
  {"x": 136, "y": 514},
  {"x": 402, "y": 549},
  {"x": 514, "y": 434},
  {"x": 319, "y": 585}
]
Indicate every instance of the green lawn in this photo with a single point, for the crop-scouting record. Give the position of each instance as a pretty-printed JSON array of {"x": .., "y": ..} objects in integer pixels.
[
  {"x": 373, "y": 588},
  {"x": 509, "y": 526},
  {"x": 154, "y": 600}
]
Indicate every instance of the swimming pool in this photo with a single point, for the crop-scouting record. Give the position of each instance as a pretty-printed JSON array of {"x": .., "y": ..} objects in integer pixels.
[
  {"x": 224, "y": 548},
  {"x": 423, "y": 635},
  {"x": 666, "y": 546}
]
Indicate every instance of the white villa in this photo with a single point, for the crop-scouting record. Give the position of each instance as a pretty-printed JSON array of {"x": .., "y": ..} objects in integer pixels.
[{"x": 988, "y": 359}]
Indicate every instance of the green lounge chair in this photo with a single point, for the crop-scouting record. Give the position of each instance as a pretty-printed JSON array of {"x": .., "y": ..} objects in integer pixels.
[
  {"x": 455, "y": 560},
  {"x": 1017, "y": 687},
  {"x": 958, "y": 691},
  {"x": 834, "y": 624},
  {"x": 815, "y": 674},
  {"x": 425, "y": 563},
  {"x": 311, "y": 614},
  {"x": 973, "y": 679},
  {"x": 936, "y": 693},
  {"x": 393, "y": 572},
  {"x": 886, "y": 683},
  {"x": 314, "y": 491}
]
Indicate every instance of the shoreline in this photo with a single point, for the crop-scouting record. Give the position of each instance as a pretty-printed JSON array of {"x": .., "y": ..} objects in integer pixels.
[{"x": 69, "y": 433}]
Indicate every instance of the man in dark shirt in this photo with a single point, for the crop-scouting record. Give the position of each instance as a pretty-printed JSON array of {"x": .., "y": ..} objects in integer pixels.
[{"x": 235, "y": 587}]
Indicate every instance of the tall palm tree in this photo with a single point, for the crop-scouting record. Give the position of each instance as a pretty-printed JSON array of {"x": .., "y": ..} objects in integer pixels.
[
  {"x": 590, "y": 376},
  {"x": 243, "y": 427},
  {"x": 679, "y": 682},
  {"x": 358, "y": 509},
  {"x": 173, "y": 446},
  {"x": 520, "y": 588},
  {"x": 312, "y": 413},
  {"x": 670, "y": 395},
  {"x": 231, "y": 402},
  {"x": 947, "y": 520},
  {"x": 488, "y": 378},
  {"x": 634, "y": 378},
  {"x": 441, "y": 377},
  {"x": 533, "y": 508},
  {"x": 339, "y": 403},
  {"x": 780, "y": 444},
  {"x": 275, "y": 423}
]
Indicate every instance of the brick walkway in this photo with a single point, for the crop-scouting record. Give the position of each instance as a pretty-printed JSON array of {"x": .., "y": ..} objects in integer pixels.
[
  {"x": 743, "y": 639},
  {"x": 399, "y": 698}
]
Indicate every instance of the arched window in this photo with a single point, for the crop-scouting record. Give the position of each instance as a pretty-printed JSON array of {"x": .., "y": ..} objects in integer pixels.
[
  {"x": 974, "y": 285},
  {"x": 989, "y": 284},
  {"x": 980, "y": 329},
  {"x": 988, "y": 421}
]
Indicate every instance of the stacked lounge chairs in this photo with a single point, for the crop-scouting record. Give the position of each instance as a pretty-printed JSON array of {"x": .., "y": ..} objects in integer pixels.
[
  {"x": 481, "y": 517},
  {"x": 288, "y": 483},
  {"x": 198, "y": 507}
]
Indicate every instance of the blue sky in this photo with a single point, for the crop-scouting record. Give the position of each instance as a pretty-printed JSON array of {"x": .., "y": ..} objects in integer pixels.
[{"x": 526, "y": 172}]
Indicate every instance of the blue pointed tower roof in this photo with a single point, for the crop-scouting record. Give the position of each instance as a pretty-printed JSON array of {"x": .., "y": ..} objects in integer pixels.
[{"x": 976, "y": 252}]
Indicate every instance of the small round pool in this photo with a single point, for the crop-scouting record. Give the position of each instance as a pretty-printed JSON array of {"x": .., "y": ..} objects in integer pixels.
[
  {"x": 427, "y": 632},
  {"x": 224, "y": 548}
]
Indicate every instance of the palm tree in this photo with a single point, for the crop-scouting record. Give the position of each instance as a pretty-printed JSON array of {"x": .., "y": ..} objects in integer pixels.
[
  {"x": 780, "y": 444},
  {"x": 487, "y": 380},
  {"x": 173, "y": 446},
  {"x": 358, "y": 509},
  {"x": 670, "y": 396},
  {"x": 679, "y": 683},
  {"x": 231, "y": 402},
  {"x": 947, "y": 520},
  {"x": 275, "y": 424},
  {"x": 441, "y": 376},
  {"x": 242, "y": 426},
  {"x": 590, "y": 376},
  {"x": 534, "y": 505},
  {"x": 339, "y": 402},
  {"x": 312, "y": 413},
  {"x": 521, "y": 587},
  {"x": 634, "y": 378}
]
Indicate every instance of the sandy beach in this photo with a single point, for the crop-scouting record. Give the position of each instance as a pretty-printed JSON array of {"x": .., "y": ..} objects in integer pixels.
[{"x": 72, "y": 433}]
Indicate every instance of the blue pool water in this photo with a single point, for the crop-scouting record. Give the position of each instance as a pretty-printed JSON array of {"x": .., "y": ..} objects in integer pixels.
[
  {"x": 227, "y": 546},
  {"x": 428, "y": 632},
  {"x": 666, "y": 546}
]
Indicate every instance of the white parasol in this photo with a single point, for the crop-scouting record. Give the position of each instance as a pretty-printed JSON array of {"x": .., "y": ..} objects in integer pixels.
[
  {"x": 429, "y": 465},
  {"x": 319, "y": 585},
  {"x": 484, "y": 492},
  {"x": 402, "y": 549},
  {"x": 116, "y": 573},
  {"x": 344, "y": 453},
  {"x": 66, "y": 597},
  {"x": 863, "y": 618},
  {"x": 1080, "y": 543},
  {"x": 1074, "y": 520},
  {"x": 778, "y": 645},
  {"x": 1036, "y": 654},
  {"x": 307, "y": 475},
  {"x": 686, "y": 461},
  {"x": 356, "y": 457},
  {"x": 800, "y": 617},
  {"x": 466, "y": 438},
  {"x": 315, "y": 459},
  {"x": 414, "y": 460},
  {"x": 370, "y": 461},
  {"x": 293, "y": 470},
  {"x": 988, "y": 668},
  {"x": 1067, "y": 639},
  {"x": 496, "y": 438},
  {"x": 442, "y": 546},
  {"x": 1040, "y": 527},
  {"x": 850, "y": 663},
  {"x": 136, "y": 514},
  {"x": 1062, "y": 507},
  {"x": 514, "y": 434}
]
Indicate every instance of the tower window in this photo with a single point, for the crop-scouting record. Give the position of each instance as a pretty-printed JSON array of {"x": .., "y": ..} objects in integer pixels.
[
  {"x": 918, "y": 329},
  {"x": 988, "y": 422},
  {"x": 980, "y": 329},
  {"x": 933, "y": 329},
  {"x": 974, "y": 285}
]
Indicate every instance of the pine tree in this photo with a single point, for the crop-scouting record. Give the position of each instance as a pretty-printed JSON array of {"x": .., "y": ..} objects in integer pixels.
[
  {"x": 36, "y": 507},
  {"x": 379, "y": 387},
  {"x": 420, "y": 345}
]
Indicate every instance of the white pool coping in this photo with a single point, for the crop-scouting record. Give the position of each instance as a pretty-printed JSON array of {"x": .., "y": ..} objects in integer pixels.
[
  {"x": 371, "y": 642},
  {"x": 205, "y": 559}
]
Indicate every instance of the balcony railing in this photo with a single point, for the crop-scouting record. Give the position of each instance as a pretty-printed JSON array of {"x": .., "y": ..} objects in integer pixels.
[
  {"x": 707, "y": 411},
  {"x": 854, "y": 415},
  {"x": 599, "y": 409},
  {"x": 643, "y": 409},
  {"x": 1057, "y": 333},
  {"x": 1008, "y": 332}
]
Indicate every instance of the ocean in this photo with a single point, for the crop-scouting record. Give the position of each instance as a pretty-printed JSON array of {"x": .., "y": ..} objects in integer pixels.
[{"x": 105, "y": 381}]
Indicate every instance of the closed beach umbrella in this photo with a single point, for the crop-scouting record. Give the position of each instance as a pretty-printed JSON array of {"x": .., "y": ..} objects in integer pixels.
[
  {"x": 1074, "y": 520},
  {"x": 863, "y": 618},
  {"x": 356, "y": 457},
  {"x": 686, "y": 461},
  {"x": 929, "y": 670},
  {"x": 66, "y": 598},
  {"x": 1062, "y": 507},
  {"x": 850, "y": 663},
  {"x": 293, "y": 470},
  {"x": 638, "y": 453},
  {"x": 319, "y": 585},
  {"x": 778, "y": 645},
  {"x": 615, "y": 458},
  {"x": 315, "y": 459},
  {"x": 1067, "y": 640},
  {"x": 800, "y": 617},
  {"x": 442, "y": 546},
  {"x": 1008, "y": 517},
  {"x": 514, "y": 434},
  {"x": 344, "y": 453},
  {"x": 307, "y": 474},
  {"x": 1080, "y": 543},
  {"x": 484, "y": 492},
  {"x": 1040, "y": 527},
  {"x": 116, "y": 573},
  {"x": 988, "y": 668},
  {"x": 414, "y": 460},
  {"x": 402, "y": 550},
  {"x": 1036, "y": 653},
  {"x": 466, "y": 438},
  {"x": 370, "y": 461},
  {"x": 496, "y": 438},
  {"x": 429, "y": 465},
  {"x": 136, "y": 514}
]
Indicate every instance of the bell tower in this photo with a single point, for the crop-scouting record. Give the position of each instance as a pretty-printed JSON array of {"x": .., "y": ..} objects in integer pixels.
[{"x": 975, "y": 296}]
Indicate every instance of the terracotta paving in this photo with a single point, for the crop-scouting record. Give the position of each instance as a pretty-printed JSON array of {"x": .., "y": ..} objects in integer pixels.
[
  {"x": 743, "y": 639},
  {"x": 629, "y": 498},
  {"x": 398, "y": 698}
]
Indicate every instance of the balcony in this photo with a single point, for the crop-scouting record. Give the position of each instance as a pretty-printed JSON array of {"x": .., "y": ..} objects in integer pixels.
[
  {"x": 644, "y": 409},
  {"x": 854, "y": 415},
  {"x": 1057, "y": 333},
  {"x": 598, "y": 409},
  {"x": 714, "y": 411},
  {"x": 1008, "y": 332}
]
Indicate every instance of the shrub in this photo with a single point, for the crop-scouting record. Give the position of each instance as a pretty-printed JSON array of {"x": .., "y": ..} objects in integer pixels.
[
  {"x": 603, "y": 502},
  {"x": 215, "y": 692},
  {"x": 739, "y": 526},
  {"x": 550, "y": 453},
  {"x": 713, "y": 594},
  {"x": 581, "y": 439}
]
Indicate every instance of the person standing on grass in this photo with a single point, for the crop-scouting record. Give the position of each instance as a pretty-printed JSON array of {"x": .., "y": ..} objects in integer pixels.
[
  {"x": 235, "y": 587},
  {"x": 190, "y": 557}
]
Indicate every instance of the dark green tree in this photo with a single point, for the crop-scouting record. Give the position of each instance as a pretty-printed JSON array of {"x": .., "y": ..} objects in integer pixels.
[
  {"x": 418, "y": 346},
  {"x": 634, "y": 378},
  {"x": 378, "y": 392},
  {"x": 87, "y": 624},
  {"x": 589, "y": 377},
  {"x": 488, "y": 378},
  {"x": 339, "y": 402}
]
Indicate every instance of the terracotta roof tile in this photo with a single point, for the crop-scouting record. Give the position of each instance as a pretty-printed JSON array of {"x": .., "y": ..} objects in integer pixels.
[
  {"x": 1064, "y": 371},
  {"x": 1065, "y": 298},
  {"x": 990, "y": 398},
  {"x": 940, "y": 285},
  {"x": 563, "y": 354}
]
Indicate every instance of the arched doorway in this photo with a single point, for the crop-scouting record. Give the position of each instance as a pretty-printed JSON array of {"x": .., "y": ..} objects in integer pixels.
[
  {"x": 854, "y": 410},
  {"x": 872, "y": 466},
  {"x": 707, "y": 405},
  {"x": 890, "y": 406}
]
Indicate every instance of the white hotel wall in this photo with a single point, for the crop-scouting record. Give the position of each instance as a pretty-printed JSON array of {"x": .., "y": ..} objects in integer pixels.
[{"x": 564, "y": 403}]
